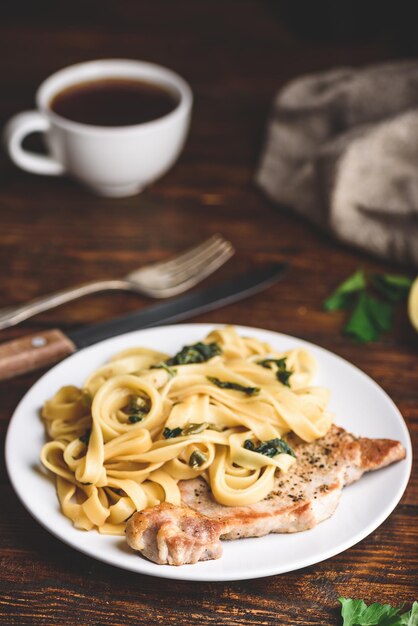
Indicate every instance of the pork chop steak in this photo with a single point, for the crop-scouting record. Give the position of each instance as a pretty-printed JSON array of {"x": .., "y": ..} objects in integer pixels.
[{"x": 306, "y": 495}]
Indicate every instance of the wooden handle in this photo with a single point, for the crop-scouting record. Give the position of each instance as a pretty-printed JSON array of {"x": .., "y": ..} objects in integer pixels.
[{"x": 33, "y": 351}]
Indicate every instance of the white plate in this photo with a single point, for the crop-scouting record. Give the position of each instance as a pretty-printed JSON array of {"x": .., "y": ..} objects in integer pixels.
[{"x": 359, "y": 403}]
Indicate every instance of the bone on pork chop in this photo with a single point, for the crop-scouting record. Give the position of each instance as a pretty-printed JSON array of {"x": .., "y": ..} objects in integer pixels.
[{"x": 301, "y": 498}]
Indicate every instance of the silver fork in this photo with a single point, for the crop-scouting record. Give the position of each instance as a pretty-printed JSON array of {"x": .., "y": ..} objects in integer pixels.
[{"x": 159, "y": 280}]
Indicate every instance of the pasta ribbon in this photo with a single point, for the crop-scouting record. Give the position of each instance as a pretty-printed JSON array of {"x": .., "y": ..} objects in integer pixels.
[{"x": 145, "y": 421}]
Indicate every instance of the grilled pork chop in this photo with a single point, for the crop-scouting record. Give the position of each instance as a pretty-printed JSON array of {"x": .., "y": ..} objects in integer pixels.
[{"x": 306, "y": 495}]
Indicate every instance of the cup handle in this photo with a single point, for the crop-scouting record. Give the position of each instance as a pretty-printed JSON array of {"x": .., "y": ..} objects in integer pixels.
[{"x": 17, "y": 128}]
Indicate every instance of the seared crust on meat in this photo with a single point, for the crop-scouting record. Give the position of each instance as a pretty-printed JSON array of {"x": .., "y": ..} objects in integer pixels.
[
  {"x": 377, "y": 453},
  {"x": 303, "y": 497},
  {"x": 174, "y": 534}
]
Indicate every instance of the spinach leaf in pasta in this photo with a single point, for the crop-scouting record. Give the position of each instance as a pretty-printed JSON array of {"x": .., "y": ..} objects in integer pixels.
[
  {"x": 196, "y": 353},
  {"x": 137, "y": 409},
  {"x": 226, "y": 384},
  {"x": 197, "y": 458},
  {"x": 163, "y": 365},
  {"x": 170, "y": 433},
  {"x": 270, "y": 447},
  {"x": 282, "y": 373}
]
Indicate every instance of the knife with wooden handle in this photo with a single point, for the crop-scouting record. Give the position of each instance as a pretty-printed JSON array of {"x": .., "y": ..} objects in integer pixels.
[{"x": 47, "y": 347}]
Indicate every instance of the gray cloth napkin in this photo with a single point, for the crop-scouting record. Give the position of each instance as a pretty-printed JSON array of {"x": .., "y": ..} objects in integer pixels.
[{"x": 342, "y": 150}]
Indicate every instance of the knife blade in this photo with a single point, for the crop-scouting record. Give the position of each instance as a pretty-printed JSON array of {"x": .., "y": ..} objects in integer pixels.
[{"x": 47, "y": 347}]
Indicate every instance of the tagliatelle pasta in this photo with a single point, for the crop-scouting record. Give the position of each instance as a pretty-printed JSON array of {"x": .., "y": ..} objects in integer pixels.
[{"x": 144, "y": 421}]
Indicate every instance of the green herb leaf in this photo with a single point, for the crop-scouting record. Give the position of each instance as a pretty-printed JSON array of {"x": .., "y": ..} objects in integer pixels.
[
  {"x": 283, "y": 447},
  {"x": 283, "y": 376},
  {"x": 357, "y": 613},
  {"x": 218, "y": 427},
  {"x": 282, "y": 373},
  {"x": 270, "y": 448},
  {"x": 135, "y": 418},
  {"x": 197, "y": 459},
  {"x": 267, "y": 363},
  {"x": 369, "y": 317},
  {"x": 197, "y": 353},
  {"x": 225, "y": 384},
  {"x": 412, "y": 616},
  {"x": 341, "y": 297},
  {"x": 400, "y": 282},
  {"x": 381, "y": 313},
  {"x": 190, "y": 429},
  {"x": 137, "y": 409},
  {"x": 361, "y": 325},
  {"x": 171, "y": 433},
  {"x": 163, "y": 365},
  {"x": 391, "y": 287},
  {"x": 351, "y": 610},
  {"x": 195, "y": 429}
]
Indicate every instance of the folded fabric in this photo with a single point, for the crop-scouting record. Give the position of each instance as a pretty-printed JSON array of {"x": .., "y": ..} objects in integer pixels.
[{"x": 342, "y": 150}]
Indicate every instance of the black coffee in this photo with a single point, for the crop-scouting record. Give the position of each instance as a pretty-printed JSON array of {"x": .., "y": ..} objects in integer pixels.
[{"x": 114, "y": 102}]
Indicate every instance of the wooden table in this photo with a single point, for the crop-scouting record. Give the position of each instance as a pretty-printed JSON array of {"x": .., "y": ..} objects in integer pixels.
[{"x": 54, "y": 234}]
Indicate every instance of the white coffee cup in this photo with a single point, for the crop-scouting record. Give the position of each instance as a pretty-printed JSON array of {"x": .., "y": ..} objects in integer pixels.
[{"x": 112, "y": 161}]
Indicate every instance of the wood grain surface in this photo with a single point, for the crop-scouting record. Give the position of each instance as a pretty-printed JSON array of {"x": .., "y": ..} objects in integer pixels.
[{"x": 54, "y": 234}]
